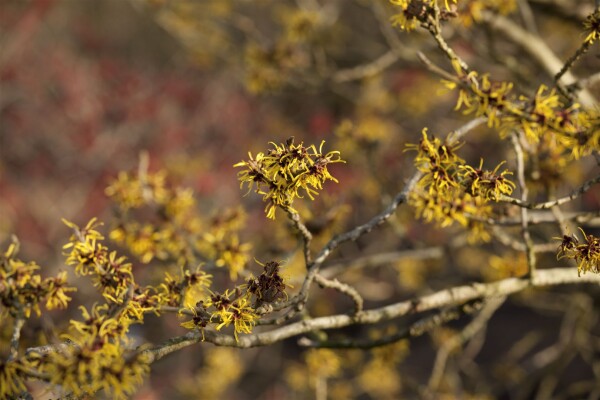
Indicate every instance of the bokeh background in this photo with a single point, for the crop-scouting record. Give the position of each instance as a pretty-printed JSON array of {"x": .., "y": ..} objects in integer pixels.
[{"x": 87, "y": 86}]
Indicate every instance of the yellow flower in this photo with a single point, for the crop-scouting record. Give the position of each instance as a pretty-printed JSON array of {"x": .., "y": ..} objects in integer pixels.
[
  {"x": 285, "y": 170},
  {"x": 12, "y": 380},
  {"x": 57, "y": 292}
]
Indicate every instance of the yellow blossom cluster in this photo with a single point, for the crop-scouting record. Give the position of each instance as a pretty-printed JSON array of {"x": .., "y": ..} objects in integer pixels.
[
  {"x": 22, "y": 289},
  {"x": 89, "y": 364},
  {"x": 231, "y": 307},
  {"x": 239, "y": 306},
  {"x": 173, "y": 230},
  {"x": 453, "y": 191},
  {"x": 147, "y": 240},
  {"x": 221, "y": 242},
  {"x": 85, "y": 251},
  {"x": 286, "y": 172},
  {"x": 415, "y": 12},
  {"x": 12, "y": 377},
  {"x": 576, "y": 128}
]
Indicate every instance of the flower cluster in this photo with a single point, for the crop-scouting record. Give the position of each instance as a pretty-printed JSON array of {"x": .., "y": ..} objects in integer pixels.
[
  {"x": 12, "y": 377},
  {"x": 412, "y": 13},
  {"x": 221, "y": 243},
  {"x": 576, "y": 128},
  {"x": 453, "y": 191},
  {"x": 269, "y": 286},
  {"x": 90, "y": 364},
  {"x": 172, "y": 230},
  {"x": 231, "y": 307},
  {"x": 415, "y": 12},
  {"x": 162, "y": 239},
  {"x": 490, "y": 185},
  {"x": 585, "y": 253},
  {"x": 240, "y": 305},
  {"x": 97, "y": 355},
  {"x": 22, "y": 289},
  {"x": 186, "y": 290},
  {"x": 284, "y": 171},
  {"x": 111, "y": 274}
]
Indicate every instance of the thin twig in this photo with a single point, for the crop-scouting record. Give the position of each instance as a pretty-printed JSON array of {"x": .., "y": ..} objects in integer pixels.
[
  {"x": 304, "y": 232},
  {"x": 342, "y": 288},
  {"x": 571, "y": 60},
  {"x": 437, "y": 70}
]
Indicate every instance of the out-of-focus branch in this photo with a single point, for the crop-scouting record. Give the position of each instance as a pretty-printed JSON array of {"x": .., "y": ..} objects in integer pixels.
[
  {"x": 478, "y": 323},
  {"x": 366, "y": 70},
  {"x": 524, "y": 193},
  {"x": 383, "y": 258},
  {"x": 536, "y": 48}
]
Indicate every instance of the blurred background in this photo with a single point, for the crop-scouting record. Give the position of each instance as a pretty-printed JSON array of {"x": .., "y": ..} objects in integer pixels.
[{"x": 87, "y": 86}]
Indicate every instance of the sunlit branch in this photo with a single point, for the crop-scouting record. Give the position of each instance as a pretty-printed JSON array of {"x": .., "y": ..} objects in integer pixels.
[
  {"x": 415, "y": 329},
  {"x": 443, "y": 298}
]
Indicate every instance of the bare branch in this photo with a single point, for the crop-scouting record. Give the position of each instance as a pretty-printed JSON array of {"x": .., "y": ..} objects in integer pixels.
[
  {"x": 444, "y": 298},
  {"x": 304, "y": 232},
  {"x": 342, "y": 288},
  {"x": 19, "y": 321},
  {"x": 416, "y": 329}
]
